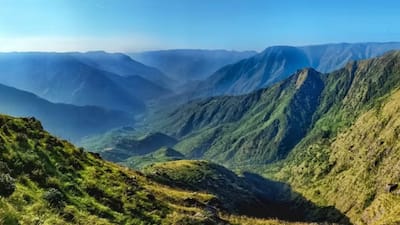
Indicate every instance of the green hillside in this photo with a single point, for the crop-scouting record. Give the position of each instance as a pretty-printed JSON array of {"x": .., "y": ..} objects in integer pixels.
[
  {"x": 331, "y": 137},
  {"x": 256, "y": 128},
  {"x": 45, "y": 180},
  {"x": 352, "y": 154}
]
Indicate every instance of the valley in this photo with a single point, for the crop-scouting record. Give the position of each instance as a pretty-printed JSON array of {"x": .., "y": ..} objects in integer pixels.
[
  {"x": 188, "y": 112},
  {"x": 309, "y": 144},
  {"x": 302, "y": 131}
]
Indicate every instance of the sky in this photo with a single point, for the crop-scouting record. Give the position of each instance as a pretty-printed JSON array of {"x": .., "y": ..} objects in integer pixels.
[{"x": 139, "y": 25}]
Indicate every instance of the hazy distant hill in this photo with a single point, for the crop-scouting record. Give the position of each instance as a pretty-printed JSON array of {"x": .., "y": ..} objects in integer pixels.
[
  {"x": 190, "y": 64},
  {"x": 80, "y": 79},
  {"x": 67, "y": 121}
]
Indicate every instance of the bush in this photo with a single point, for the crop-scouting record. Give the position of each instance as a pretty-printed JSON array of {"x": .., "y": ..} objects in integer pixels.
[
  {"x": 7, "y": 185},
  {"x": 54, "y": 197}
]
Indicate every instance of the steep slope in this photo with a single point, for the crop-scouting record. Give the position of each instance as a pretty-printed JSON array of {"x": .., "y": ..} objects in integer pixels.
[
  {"x": 350, "y": 158},
  {"x": 185, "y": 65},
  {"x": 48, "y": 181},
  {"x": 67, "y": 121},
  {"x": 278, "y": 62},
  {"x": 252, "y": 129}
]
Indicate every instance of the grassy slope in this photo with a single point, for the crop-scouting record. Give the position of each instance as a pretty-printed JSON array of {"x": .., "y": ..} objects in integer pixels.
[{"x": 56, "y": 183}]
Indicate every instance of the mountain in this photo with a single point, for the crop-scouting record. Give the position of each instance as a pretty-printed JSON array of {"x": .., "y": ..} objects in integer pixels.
[
  {"x": 67, "y": 121},
  {"x": 331, "y": 137},
  {"x": 49, "y": 181},
  {"x": 277, "y": 63},
  {"x": 184, "y": 65},
  {"x": 349, "y": 158},
  {"x": 123, "y": 65},
  {"x": 257, "y": 128},
  {"x": 69, "y": 78}
]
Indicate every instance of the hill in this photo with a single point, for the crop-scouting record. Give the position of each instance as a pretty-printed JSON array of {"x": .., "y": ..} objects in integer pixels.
[
  {"x": 66, "y": 121},
  {"x": 48, "y": 181}
]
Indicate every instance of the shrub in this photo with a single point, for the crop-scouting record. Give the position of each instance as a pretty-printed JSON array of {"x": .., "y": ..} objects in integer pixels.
[
  {"x": 54, "y": 197},
  {"x": 7, "y": 185}
]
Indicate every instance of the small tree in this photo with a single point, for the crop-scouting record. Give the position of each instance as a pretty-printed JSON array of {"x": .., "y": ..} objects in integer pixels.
[{"x": 7, "y": 185}]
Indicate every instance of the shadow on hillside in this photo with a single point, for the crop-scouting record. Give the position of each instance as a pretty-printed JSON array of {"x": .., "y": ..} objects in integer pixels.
[{"x": 279, "y": 201}]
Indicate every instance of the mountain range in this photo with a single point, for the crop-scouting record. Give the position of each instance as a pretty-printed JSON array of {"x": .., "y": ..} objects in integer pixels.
[
  {"x": 84, "y": 79},
  {"x": 291, "y": 135},
  {"x": 278, "y": 62}
]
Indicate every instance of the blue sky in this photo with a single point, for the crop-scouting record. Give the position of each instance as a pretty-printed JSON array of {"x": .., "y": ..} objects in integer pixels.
[{"x": 135, "y": 25}]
